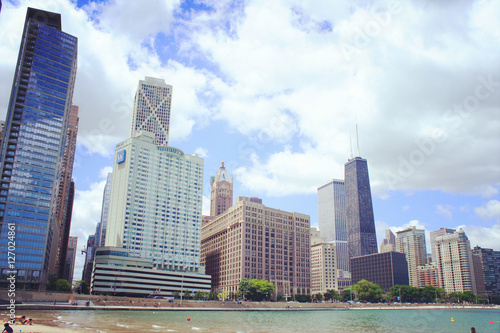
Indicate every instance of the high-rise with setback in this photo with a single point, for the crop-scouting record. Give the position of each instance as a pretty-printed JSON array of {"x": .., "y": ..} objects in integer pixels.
[
  {"x": 33, "y": 146},
  {"x": 411, "y": 242},
  {"x": 361, "y": 238},
  {"x": 221, "y": 194}
]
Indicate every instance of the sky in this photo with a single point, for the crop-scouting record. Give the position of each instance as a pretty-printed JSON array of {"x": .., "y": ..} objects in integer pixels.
[{"x": 275, "y": 90}]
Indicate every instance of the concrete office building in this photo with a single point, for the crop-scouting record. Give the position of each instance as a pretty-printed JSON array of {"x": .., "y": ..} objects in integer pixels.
[
  {"x": 155, "y": 203},
  {"x": 323, "y": 267},
  {"x": 33, "y": 147},
  {"x": 361, "y": 237},
  {"x": 389, "y": 242},
  {"x": 316, "y": 237},
  {"x": 387, "y": 269},
  {"x": 487, "y": 270},
  {"x": 332, "y": 221},
  {"x": 428, "y": 275},
  {"x": 411, "y": 242},
  {"x": 117, "y": 273},
  {"x": 251, "y": 240},
  {"x": 151, "y": 110},
  {"x": 454, "y": 261},
  {"x": 433, "y": 235},
  {"x": 221, "y": 193}
]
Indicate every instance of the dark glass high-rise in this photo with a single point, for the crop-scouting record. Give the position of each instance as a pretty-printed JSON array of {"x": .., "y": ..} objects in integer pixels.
[
  {"x": 32, "y": 148},
  {"x": 361, "y": 237}
]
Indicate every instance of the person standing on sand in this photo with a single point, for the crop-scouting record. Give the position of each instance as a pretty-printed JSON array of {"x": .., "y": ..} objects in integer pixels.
[{"x": 472, "y": 330}]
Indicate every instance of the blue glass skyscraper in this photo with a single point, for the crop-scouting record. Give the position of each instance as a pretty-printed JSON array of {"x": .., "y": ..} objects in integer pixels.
[
  {"x": 32, "y": 149},
  {"x": 361, "y": 238}
]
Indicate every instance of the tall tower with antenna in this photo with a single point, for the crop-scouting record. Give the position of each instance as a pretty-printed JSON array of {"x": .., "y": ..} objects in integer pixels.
[{"x": 361, "y": 237}]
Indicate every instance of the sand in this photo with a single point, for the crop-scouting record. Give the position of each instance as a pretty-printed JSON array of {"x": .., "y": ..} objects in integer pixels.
[{"x": 38, "y": 328}]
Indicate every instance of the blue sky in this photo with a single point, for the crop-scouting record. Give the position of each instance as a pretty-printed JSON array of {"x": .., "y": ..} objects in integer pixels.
[{"x": 275, "y": 88}]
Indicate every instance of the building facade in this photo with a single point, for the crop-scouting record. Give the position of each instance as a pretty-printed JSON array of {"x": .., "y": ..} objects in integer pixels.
[
  {"x": 332, "y": 219},
  {"x": 389, "y": 242},
  {"x": 361, "y": 237},
  {"x": 488, "y": 269},
  {"x": 387, "y": 269},
  {"x": 117, "y": 273},
  {"x": 428, "y": 275},
  {"x": 433, "y": 235},
  {"x": 454, "y": 261},
  {"x": 69, "y": 265},
  {"x": 151, "y": 110},
  {"x": 65, "y": 195},
  {"x": 33, "y": 146},
  {"x": 103, "y": 224},
  {"x": 251, "y": 240},
  {"x": 323, "y": 268},
  {"x": 221, "y": 193},
  {"x": 155, "y": 203},
  {"x": 411, "y": 242}
]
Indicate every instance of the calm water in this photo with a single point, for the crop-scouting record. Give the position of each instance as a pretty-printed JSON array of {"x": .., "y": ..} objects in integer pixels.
[{"x": 285, "y": 321}]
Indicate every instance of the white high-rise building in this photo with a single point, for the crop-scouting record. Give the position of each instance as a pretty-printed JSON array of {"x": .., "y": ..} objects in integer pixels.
[
  {"x": 332, "y": 221},
  {"x": 103, "y": 224},
  {"x": 411, "y": 242},
  {"x": 152, "y": 109},
  {"x": 155, "y": 205},
  {"x": 454, "y": 261},
  {"x": 433, "y": 235}
]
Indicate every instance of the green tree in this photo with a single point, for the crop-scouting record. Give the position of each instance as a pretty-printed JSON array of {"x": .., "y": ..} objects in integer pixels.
[
  {"x": 81, "y": 287},
  {"x": 187, "y": 294},
  {"x": 368, "y": 291},
  {"x": 63, "y": 285},
  {"x": 318, "y": 297},
  {"x": 176, "y": 294},
  {"x": 331, "y": 294},
  {"x": 51, "y": 282},
  {"x": 468, "y": 296},
  {"x": 346, "y": 295},
  {"x": 199, "y": 295},
  {"x": 255, "y": 289}
]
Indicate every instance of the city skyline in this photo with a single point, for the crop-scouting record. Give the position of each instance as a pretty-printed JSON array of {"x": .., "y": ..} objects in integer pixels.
[{"x": 282, "y": 122}]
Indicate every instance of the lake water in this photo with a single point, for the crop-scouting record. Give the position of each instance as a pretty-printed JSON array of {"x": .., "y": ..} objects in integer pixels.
[{"x": 435, "y": 320}]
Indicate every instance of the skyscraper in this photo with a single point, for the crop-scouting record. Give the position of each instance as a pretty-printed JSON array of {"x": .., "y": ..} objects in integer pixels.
[
  {"x": 411, "y": 242},
  {"x": 69, "y": 264},
  {"x": 361, "y": 238},
  {"x": 489, "y": 268},
  {"x": 454, "y": 261},
  {"x": 33, "y": 146},
  {"x": 221, "y": 194},
  {"x": 103, "y": 224},
  {"x": 433, "y": 235},
  {"x": 66, "y": 191},
  {"x": 152, "y": 109},
  {"x": 333, "y": 227}
]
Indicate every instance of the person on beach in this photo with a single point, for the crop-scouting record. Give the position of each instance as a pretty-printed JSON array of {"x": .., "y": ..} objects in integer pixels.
[
  {"x": 472, "y": 330},
  {"x": 7, "y": 328},
  {"x": 22, "y": 320}
]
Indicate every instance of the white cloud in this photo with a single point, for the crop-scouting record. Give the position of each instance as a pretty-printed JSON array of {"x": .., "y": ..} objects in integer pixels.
[
  {"x": 202, "y": 152},
  {"x": 206, "y": 205},
  {"x": 483, "y": 236},
  {"x": 488, "y": 211},
  {"x": 445, "y": 210}
]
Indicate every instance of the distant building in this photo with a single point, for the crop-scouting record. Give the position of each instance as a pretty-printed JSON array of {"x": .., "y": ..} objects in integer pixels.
[
  {"x": 433, "y": 235},
  {"x": 488, "y": 268},
  {"x": 69, "y": 265},
  {"x": 411, "y": 242},
  {"x": 387, "y": 269},
  {"x": 389, "y": 242},
  {"x": 323, "y": 267},
  {"x": 88, "y": 264},
  {"x": 316, "y": 237},
  {"x": 117, "y": 273},
  {"x": 454, "y": 261},
  {"x": 103, "y": 224},
  {"x": 361, "y": 237},
  {"x": 221, "y": 193},
  {"x": 332, "y": 221},
  {"x": 428, "y": 275},
  {"x": 151, "y": 110},
  {"x": 251, "y": 240}
]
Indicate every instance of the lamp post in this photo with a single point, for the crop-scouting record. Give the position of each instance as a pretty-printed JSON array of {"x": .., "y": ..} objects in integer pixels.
[{"x": 400, "y": 296}]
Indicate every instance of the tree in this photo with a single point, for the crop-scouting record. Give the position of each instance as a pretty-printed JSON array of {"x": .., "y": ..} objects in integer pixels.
[
  {"x": 255, "y": 289},
  {"x": 223, "y": 295},
  {"x": 62, "y": 285},
  {"x": 318, "y": 297},
  {"x": 368, "y": 291},
  {"x": 468, "y": 296},
  {"x": 346, "y": 295},
  {"x": 331, "y": 294},
  {"x": 176, "y": 294},
  {"x": 51, "y": 282},
  {"x": 81, "y": 287},
  {"x": 199, "y": 295},
  {"x": 407, "y": 293},
  {"x": 187, "y": 294}
]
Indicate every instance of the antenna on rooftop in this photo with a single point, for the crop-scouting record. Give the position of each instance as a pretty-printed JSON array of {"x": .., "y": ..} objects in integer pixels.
[
  {"x": 350, "y": 143},
  {"x": 357, "y": 139}
]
